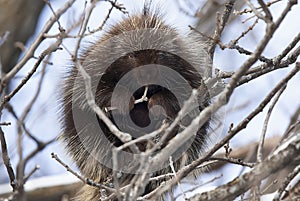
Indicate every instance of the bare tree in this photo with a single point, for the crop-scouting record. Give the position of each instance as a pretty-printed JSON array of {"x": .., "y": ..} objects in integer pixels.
[{"x": 273, "y": 163}]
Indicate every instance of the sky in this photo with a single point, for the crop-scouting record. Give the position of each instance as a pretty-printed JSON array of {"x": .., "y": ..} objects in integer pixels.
[{"x": 43, "y": 119}]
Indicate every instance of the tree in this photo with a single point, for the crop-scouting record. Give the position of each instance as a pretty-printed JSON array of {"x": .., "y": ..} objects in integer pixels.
[{"x": 270, "y": 158}]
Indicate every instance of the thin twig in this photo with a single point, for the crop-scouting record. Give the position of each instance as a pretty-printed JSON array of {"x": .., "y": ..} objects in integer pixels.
[
  {"x": 250, "y": 10},
  {"x": 265, "y": 125},
  {"x": 84, "y": 180},
  {"x": 6, "y": 160},
  {"x": 37, "y": 167},
  {"x": 5, "y": 123},
  {"x": 244, "y": 33},
  {"x": 233, "y": 161},
  {"x": 220, "y": 27}
]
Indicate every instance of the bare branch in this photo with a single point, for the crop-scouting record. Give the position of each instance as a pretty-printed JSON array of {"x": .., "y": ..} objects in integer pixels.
[{"x": 285, "y": 154}]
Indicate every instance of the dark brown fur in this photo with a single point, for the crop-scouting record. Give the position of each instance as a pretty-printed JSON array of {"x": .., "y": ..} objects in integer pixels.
[{"x": 140, "y": 113}]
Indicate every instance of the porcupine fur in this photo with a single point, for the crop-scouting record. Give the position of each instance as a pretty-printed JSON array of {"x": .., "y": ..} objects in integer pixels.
[{"x": 159, "y": 44}]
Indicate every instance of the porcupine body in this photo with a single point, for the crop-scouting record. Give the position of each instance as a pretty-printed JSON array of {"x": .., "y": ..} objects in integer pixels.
[{"x": 136, "y": 41}]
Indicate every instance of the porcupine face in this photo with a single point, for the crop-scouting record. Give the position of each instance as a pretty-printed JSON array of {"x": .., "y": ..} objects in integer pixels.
[
  {"x": 141, "y": 56},
  {"x": 147, "y": 73}
]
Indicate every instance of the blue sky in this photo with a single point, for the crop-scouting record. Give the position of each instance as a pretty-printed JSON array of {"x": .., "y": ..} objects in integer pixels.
[{"x": 43, "y": 119}]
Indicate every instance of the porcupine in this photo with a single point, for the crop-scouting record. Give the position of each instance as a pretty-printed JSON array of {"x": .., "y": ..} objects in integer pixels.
[{"x": 138, "y": 40}]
